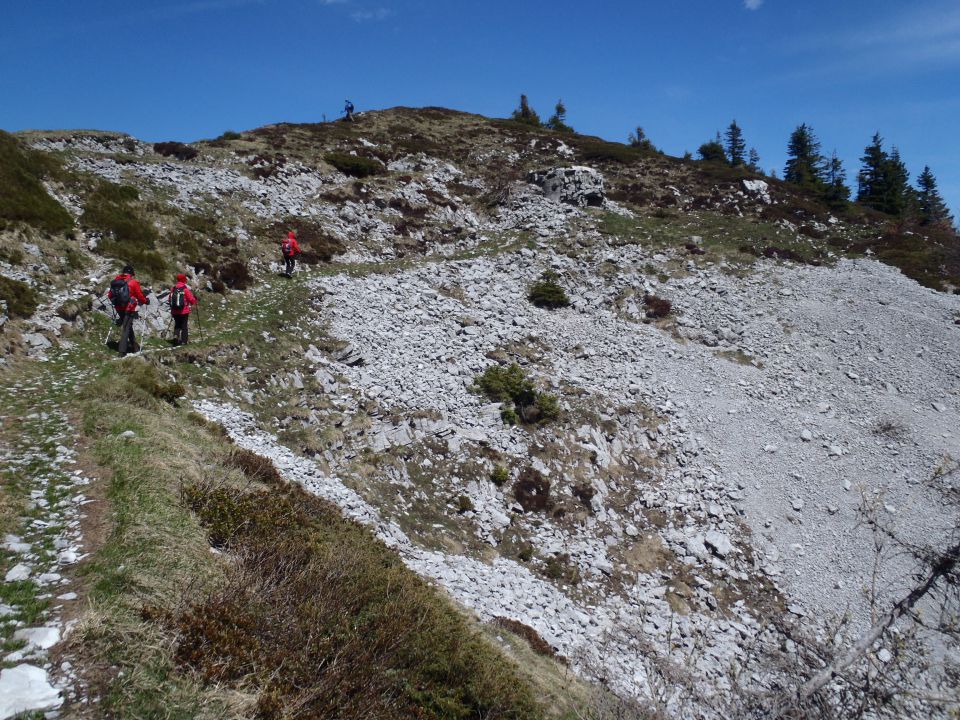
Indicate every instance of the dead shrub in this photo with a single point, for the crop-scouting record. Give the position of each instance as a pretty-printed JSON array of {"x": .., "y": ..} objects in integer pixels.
[
  {"x": 694, "y": 249},
  {"x": 536, "y": 643},
  {"x": 584, "y": 492},
  {"x": 657, "y": 307},
  {"x": 532, "y": 490}
]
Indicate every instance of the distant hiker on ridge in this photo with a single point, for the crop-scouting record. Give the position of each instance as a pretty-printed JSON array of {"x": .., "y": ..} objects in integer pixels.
[
  {"x": 181, "y": 300},
  {"x": 290, "y": 249},
  {"x": 348, "y": 110},
  {"x": 126, "y": 296}
]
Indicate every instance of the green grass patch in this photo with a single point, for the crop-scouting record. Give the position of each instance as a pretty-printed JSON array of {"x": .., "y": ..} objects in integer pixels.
[
  {"x": 21, "y": 299},
  {"x": 23, "y": 198},
  {"x": 127, "y": 235}
]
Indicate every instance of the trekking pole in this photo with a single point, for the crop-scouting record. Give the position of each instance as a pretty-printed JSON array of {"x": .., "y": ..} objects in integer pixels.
[{"x": 199, "y": 324}]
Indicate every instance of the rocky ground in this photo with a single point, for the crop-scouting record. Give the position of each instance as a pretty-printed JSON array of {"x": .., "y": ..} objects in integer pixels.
[{"x": 714, "y": 475}]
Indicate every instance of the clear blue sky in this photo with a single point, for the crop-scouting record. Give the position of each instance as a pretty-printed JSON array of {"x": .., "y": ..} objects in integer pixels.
[{"x": 190, "y": 69}]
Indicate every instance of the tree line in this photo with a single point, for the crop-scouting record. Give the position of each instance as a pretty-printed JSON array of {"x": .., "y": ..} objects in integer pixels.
[{"x": 882, "y": 182}]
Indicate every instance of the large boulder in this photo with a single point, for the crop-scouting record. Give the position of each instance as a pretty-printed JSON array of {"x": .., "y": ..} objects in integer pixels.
[{"x": 578, "y": 185}]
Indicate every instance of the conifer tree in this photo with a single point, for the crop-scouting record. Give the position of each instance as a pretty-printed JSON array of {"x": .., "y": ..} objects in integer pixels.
[
  {"x": 558, "y": 120},
  {"x": 870, "y": 179},
  {"x": 932, "y": 209},
  {"x": 526, "y": 114},
  {"x": 836, "y": 193},
  {"x": 639, "y": 139},
  {"x": 753, "y": 161},
  {"x": 898, "y": 197},
  {"x": 736, "y": 147},
  {"x": 804, "y": 165}
]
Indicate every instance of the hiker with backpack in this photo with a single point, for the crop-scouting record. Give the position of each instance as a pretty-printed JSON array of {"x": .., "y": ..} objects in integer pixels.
[
  {"x": 126, "y": 295},
  {"x": 290, "y": 248},
  {"x": 348, "y": 111},
  {"x": 181, "y": 300}
]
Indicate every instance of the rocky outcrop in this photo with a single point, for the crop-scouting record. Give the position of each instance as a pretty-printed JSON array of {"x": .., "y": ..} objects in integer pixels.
[{"x": 578, "y": 185}]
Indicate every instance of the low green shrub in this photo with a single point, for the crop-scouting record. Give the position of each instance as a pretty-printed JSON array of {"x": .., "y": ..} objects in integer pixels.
[
  {"x": 603, "y": 151},
  {"x": 324, "y": 621},
  {"x": 23, "y": 198},
  {"x": 547, "y": 292},
  {"x": 355, "y": 165},
  {"x": 511, "y": 386},
  {"x": 21, "y": 299},
  {"x": 499, "y": 475},
  {"x": 230, "y": 135}
]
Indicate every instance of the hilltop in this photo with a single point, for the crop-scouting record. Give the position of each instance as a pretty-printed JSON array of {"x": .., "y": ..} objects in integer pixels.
[{"x": 545, "y": 426}]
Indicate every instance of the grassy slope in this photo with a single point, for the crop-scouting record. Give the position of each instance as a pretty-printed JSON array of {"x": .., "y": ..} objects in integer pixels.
[{"x": 153, "y": 586}]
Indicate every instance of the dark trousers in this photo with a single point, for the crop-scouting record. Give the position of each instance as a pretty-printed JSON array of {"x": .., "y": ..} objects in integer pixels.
[
  {"x": 290, "y": 263},
  {"x": 128, "y": 341},
  {"x": 180, "y": 329}
]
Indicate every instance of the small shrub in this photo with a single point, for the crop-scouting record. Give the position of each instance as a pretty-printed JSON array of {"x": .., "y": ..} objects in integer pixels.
[
  {"x": 355, "y": 165},
  {"x": 525, "y": 553},
  {"x": 499, "y": 475},
  {"x": 509, "y": 385},
  {"x": 584, "y": 492},
  {"x": 179, "y": 150},
  {"x": 464, "y": 504},
  {"x": 200, "y": 223},
  {"x": 14, "y": 256},
  {"x": 602, "y": 151},
  {"x": 547, "y": 292},
  {"x": 532, "y": 637},
  {"x": 254, "y": 466},
  {"x": 235, "y": 275},
  {"x": 694, "y": 249},
  {"x": 230, "y": 135},
  {"x": 21, "y": 299},
  {"x": 657, "y": 307},
  {"x": 559, "y": 567},
  {"x": 532, "y": 491}
]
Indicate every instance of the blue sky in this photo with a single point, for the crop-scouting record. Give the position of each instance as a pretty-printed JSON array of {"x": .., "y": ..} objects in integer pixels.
[{"x": 190, "y": 69}]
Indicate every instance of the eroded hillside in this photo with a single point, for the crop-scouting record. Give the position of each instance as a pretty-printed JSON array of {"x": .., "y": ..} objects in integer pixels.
[{"x": 693, "y": 483}]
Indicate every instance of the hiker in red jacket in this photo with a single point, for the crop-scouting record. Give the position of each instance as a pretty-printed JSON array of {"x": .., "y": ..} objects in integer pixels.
[
  {"x": 290, "y": 248},
  {"x": 181, "y": 299},
  {"x": 126, "y": 296}
]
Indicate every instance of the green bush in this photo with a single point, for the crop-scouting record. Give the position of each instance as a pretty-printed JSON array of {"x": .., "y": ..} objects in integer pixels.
[
  {"x": 603, "y": 151},
  {"x": 23, "y": 197},
  {"x": 355, "y": 165},
  {"x": 320, "y": 620},
  {"x": 127, "y": 236},
  {"x": 509, "y": 385},
  {"x": 21, "y": 299},
  {"x": 230, "y": 135},
  {"x": 547, "y": 292},
  {"x": 499, "y": 475}
]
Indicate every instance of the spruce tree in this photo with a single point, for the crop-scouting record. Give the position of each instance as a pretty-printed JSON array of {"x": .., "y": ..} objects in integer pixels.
[
  {"x": 836, "y": 193},
  {"x": 870, "y": 179},
  {"x": 753, "y": 161},
  {"x": 898, "y": 196},
  {"x": 559, "y": 119},
  {"x": 526, "y": 114},
  {"x": 736, "y": 147},
  {"x": 932, "y": 209},
  {"x": 804, "y": 165}
]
